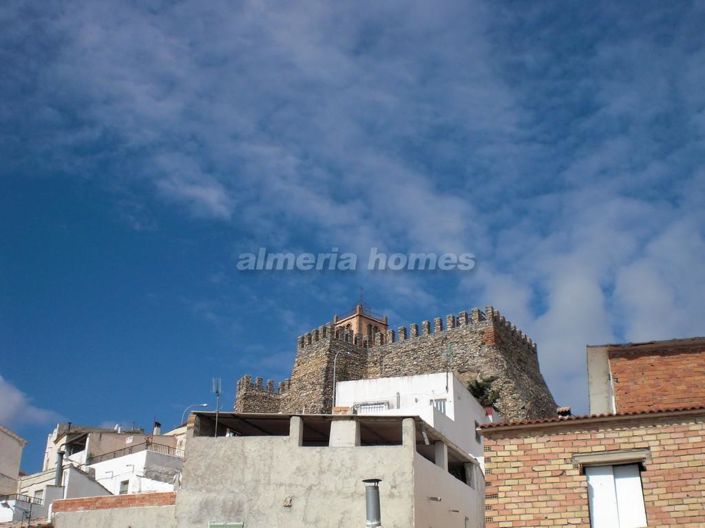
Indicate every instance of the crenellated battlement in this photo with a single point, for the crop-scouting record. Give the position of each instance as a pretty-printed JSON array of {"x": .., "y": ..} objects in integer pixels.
[
  {"x": 271, "y": 387},
  {"x": 512, "y": 331},
  {"x": 475, "y": 318}
]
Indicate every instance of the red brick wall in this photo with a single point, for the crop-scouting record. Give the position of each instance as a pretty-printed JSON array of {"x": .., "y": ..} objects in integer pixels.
[
  {"x": 532, "y": 482},
  {"x": 662, "y": 379},
  {"x": 114, "y": 501}
]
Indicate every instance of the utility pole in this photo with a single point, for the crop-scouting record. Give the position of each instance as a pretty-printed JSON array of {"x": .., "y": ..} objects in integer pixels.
[{"x": 216, "y": 389}]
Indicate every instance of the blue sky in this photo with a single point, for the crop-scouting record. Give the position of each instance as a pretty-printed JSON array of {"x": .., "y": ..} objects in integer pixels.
[{"x": 144, "y": 145}]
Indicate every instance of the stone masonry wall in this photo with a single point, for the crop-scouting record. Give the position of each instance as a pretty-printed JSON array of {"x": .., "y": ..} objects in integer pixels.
[
  {"x": 478, "y": 343},
  {"x": 258, "y": 397},
  {"x": 531, "y": 479},
  {"x": 666, "y": 378}
]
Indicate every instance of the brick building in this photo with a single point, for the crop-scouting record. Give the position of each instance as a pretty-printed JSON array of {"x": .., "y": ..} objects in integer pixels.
[
  {"x": 646, "y": 376},
  {"x": 640, "y": 462},
  {"x": 361, "y": 346}
]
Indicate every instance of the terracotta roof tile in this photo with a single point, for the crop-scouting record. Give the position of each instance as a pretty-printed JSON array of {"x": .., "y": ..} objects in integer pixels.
[{"x": 592, "y": 417}]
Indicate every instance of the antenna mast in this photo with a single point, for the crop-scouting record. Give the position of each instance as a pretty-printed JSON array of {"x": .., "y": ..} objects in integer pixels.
[{"x": 216, "y": 389}]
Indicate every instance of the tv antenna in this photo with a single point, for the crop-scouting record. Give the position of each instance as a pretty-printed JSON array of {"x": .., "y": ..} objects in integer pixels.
[
  {"x": 449, "y": 360},
  {"x": 216, "y": 388}
]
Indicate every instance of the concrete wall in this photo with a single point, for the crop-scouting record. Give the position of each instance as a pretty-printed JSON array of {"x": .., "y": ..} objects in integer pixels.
[
  {"x": 78, "y": 484},
  {"x": 272, "y": 481},
  {"x": 147, "y": 510},
  {"x": 146, "y": 517},
  {"x": 11, "y": 446},
  {"x": 457, "y": 500},
  {"x": 600, "y": 393}
]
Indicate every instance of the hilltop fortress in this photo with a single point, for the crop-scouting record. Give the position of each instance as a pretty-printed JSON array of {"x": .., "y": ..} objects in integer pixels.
[{"x": 361, "y": 346}]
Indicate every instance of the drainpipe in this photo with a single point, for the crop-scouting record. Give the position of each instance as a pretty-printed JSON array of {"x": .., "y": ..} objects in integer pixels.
[
  {"x": 59, "y": 468},
  {"x": 374, "y": 515}
]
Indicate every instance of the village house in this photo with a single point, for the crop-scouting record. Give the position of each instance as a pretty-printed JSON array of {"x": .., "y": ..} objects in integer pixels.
[
  {"x": 13, "y": 507},
  {"x": 638, "y": 460},
  {"x": 82, "y": 461}
]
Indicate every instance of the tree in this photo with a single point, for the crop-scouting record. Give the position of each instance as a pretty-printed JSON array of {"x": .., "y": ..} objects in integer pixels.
[{"x": 483, "y": 391}]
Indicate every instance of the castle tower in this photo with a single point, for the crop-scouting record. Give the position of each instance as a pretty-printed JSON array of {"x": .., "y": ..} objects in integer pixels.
[
  {"x": 473, "y": 345},
  {"x": 361, "y": 323}
]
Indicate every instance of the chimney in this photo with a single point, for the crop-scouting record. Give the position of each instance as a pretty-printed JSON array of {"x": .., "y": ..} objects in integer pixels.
[
  {"x": 374, "y": 515},
  {"x": 157, "y": 429},
  {"x": 59, "y": 471},
  {"x": 564, "y": 412},
  {"x": 489, "y": 412}
]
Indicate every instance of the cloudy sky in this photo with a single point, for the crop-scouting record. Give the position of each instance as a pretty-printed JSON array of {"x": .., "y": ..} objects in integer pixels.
[{"x": 145, "y": 145}]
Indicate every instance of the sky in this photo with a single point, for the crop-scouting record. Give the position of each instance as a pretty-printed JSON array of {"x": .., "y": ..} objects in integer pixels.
[{"x": 145, "y": 145}]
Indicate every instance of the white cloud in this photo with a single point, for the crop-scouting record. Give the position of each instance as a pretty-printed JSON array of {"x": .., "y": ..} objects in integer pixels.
[
  {"x": 16, "y": 407},
  {"x": 660, "y": 293},
  {"x": 574, "y": 177}
]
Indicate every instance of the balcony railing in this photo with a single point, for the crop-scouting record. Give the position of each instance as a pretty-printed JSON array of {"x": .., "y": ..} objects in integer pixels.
[
  {"x": 17, "y": 497},
  {"x": 145, "y": 446}
]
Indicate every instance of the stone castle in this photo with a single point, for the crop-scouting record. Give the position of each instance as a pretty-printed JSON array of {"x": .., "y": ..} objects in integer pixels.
[{"x": 474, "y": 345}]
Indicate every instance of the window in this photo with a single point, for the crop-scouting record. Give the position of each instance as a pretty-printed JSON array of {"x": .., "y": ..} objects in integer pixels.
[
  {"x": 124, "y": 486},
  {"x": 615, "y": 496},
  {"x": 470, "y": 475},
  {"x": 439, "y": 405},
  {"x": 39, "y": 494}
]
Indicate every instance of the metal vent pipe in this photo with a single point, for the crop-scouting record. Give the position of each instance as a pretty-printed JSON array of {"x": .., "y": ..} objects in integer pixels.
[
  {"x": 372, "y": 507},
  {"x": 59, "y": 468}
]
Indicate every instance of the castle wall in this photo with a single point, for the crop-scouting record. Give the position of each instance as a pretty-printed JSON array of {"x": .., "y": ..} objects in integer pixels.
[
  {"x": 469, "y": 344},
  {"x": 254, "y": 396},
  {"x": 312, "y": 375}
]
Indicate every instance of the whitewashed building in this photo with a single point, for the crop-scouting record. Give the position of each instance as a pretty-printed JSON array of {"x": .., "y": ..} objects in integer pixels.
[
  {"x": 441, "y": 400},
  {"x": 98, "y": 462}
]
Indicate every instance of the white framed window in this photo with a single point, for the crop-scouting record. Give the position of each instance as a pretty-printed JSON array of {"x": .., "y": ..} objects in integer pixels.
[
  {"x": 439, "y": 404},
  {"x": 615, "y": 496}
]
